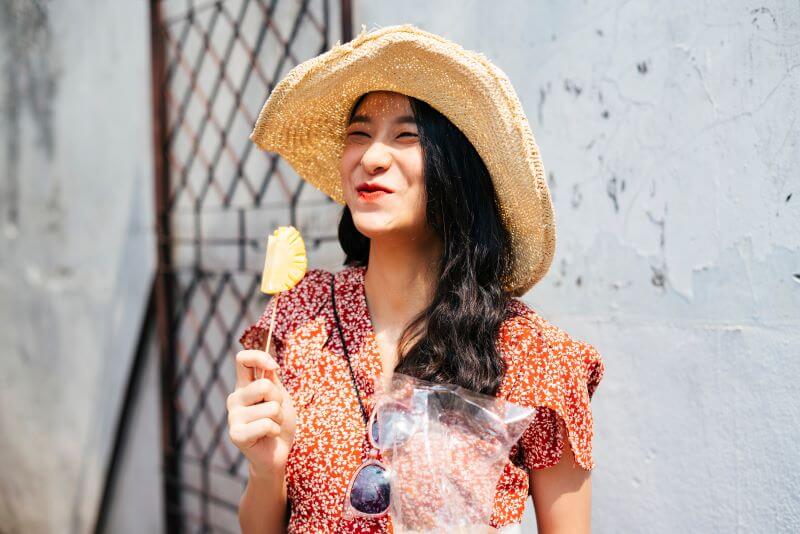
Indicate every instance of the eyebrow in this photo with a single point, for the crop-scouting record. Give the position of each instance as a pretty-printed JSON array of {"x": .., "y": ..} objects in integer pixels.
[{"x": 404, "y": 119}]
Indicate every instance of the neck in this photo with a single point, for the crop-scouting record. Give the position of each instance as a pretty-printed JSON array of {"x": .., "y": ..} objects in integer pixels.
[{"x": 400, "y": 281}]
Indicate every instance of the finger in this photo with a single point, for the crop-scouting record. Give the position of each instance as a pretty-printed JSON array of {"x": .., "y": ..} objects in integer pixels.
[
  {"x": 246, "y": 435},
  {"x": 248, "y": 361},
  {"x": 261, "y": 390},
  {"x": 262, "y": 410}
]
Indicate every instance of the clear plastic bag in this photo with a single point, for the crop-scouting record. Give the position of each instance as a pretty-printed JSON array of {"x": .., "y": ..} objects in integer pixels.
[{"x": 445, "y": 448}]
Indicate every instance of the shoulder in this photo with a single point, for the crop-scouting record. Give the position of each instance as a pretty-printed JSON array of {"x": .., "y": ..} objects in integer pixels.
[
  {"x": 537, "y": 345},
  {"x": 303, "y": 301},
  {"x": 307, "y": 294},
  {"x": 557, "y": 374}
]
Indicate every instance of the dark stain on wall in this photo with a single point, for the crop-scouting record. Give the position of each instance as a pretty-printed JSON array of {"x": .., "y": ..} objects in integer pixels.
[
  {"x": 562, "y": 270},
  {"x": 762, "y": 18},
  {"x": 642, "y": 67},
  {"x": 658, "y": 278},
  {"x": 542, "y": 96},
  {"x": 661, "y": 227},
  {"x": 572, "y": 87},
  {"x": 30, "y": 84},
  {"x": 612, "y": 191},
  {"x": 577, "y": 196}
]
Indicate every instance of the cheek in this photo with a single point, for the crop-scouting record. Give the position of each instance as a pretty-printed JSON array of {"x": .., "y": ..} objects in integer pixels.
[
  {"x": 347, "y": 162},
  {"x": 416, "y": 175},
  {"x": 349, "y": 155},
  {"x": 414, "y": 171}
]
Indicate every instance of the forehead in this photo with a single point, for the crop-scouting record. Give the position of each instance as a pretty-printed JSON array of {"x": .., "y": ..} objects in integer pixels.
[{"x": 383, "y": 104}]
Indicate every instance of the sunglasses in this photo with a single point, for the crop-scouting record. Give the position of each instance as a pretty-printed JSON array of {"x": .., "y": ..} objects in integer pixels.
[{"x": 368, "y": 493}]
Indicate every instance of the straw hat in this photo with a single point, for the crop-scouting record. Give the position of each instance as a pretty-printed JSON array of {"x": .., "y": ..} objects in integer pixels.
[{"x": 305, "y": 117}]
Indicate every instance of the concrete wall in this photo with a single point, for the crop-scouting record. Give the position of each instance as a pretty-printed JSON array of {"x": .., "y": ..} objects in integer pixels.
[
  {"x": 76, "y": 247},
  {"x": 136, "y": 496},
  {"x": 669, "y": 133},
  {"x": 670, "y": 137}
]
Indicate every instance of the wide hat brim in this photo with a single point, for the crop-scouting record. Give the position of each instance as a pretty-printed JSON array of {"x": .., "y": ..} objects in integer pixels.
[{"x": 305, "y": 118}]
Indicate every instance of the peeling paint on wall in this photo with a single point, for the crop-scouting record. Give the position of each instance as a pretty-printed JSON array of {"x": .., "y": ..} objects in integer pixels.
[
  {"x": 30, "y": 84},
  {"x": 76, "y": 247}
]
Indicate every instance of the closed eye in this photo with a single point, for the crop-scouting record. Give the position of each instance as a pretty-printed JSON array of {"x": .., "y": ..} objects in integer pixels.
[{"x": 365, "y": 134}]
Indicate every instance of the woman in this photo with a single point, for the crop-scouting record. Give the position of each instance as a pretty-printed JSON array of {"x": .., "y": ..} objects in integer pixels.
[{"x": 429, "y": 289}]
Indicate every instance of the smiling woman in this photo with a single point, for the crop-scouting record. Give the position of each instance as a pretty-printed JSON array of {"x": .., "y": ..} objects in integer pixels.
[
  {"x": 402, "y": 145},
  {"x": 446, "y": 221},
  {"x": 382, "y": 167},
  {"x": 406, "y": 133}
]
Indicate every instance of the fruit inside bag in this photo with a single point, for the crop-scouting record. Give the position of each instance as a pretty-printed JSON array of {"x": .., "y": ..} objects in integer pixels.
[{"x": 445, "y": 448}]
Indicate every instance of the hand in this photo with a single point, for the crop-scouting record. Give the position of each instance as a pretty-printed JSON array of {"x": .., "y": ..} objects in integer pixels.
[{"x": 261, "y": 415}]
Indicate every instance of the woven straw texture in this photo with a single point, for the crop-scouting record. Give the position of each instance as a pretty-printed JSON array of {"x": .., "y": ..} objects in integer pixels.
[{"x": 305, "y": 117}]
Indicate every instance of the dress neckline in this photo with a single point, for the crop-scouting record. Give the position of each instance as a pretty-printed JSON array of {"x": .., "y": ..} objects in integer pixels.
[{"x": 367, "y": 363}]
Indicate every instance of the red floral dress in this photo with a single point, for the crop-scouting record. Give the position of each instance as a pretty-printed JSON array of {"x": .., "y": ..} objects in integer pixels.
[{"x": 546, "y": 368}]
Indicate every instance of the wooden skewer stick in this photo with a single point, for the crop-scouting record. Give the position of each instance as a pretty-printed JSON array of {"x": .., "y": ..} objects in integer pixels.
[{"x": 271, "y": 324}]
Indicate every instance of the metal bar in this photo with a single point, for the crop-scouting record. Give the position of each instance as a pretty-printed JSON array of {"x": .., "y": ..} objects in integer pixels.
[
  {"x": 347, "y": 20},
  {"x": 164, "y": 282},
  {"x": 195, "y": 339}
]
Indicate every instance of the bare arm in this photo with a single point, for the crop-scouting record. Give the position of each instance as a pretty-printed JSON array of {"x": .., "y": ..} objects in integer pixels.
[
  {"x": 261, "y": 423},
  {"x": 262, "y": 508},
  {"x": 562, "y": 496}
]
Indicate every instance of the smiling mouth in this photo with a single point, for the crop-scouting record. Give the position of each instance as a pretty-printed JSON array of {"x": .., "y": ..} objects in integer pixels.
[
  {"x": 370, "y": 188},
  {"x": 372, "y": 195},
  {"x": 370, "y": 192}
]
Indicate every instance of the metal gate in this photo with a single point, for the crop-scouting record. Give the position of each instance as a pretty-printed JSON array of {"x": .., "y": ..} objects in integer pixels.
[{"x": 218, "y": 196}]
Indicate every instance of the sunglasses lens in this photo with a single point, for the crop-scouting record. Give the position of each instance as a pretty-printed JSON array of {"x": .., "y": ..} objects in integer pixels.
[
  {"x": 375, "y": 432},
  {"x": 370, "y": 491},
  {"x": 397, "y": 427}
]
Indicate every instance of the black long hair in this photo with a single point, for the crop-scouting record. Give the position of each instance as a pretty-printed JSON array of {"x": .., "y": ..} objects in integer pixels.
[{"x": 454, "y": 339}]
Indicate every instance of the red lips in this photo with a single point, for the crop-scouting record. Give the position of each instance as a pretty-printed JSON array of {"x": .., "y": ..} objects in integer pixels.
[{"x": 370, "y": 187}]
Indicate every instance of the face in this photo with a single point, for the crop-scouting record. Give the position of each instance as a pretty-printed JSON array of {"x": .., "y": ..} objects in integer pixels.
[{"x": 382, "y": 169}]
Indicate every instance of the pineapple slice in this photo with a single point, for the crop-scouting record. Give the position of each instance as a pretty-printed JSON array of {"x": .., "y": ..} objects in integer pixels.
[
  {"x": 286, "y": 261},
  {"x": 284, "y": 266}
]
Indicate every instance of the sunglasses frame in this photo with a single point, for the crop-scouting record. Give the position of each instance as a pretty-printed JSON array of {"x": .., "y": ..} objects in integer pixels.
[{"x": 349, "y": 511}]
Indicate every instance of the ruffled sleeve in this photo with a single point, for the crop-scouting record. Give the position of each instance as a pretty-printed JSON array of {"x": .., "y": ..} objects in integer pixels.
[
  {"x": 558, "y": 376},
  {"x": 295, "y": 307}
]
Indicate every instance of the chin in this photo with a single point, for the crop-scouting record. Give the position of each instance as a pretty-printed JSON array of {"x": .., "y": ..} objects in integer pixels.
[
  {"x": 373, "y": 225},
  {"x": 374, "y": 231}
]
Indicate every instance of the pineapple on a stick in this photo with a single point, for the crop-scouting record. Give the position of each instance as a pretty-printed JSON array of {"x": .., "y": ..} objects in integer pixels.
[{"x": 284, "y": 266}]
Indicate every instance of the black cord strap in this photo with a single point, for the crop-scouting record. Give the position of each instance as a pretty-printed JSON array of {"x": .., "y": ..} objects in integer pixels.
[{"x": 344, "y": 346}]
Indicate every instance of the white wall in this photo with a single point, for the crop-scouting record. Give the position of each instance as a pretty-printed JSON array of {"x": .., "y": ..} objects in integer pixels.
[
  {"x": 670, "y": 136},
  {"x": 76, "y": 247},
  {"x": 136, "y": 498}
]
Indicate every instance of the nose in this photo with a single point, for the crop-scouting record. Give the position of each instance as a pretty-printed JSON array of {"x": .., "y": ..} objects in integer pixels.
[{"x": 376, "y": 159}]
